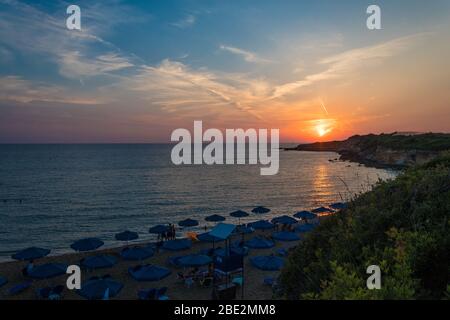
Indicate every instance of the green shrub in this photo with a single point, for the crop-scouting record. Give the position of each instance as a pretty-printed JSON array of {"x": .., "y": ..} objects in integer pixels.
[{"x": 401, "y": 225}]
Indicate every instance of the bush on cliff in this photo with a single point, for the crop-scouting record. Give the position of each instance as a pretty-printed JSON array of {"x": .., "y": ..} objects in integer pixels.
[{"x": 401, "y": 225}]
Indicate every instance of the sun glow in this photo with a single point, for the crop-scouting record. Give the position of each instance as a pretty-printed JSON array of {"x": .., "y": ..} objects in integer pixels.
[
  {"x": 321, "y": 130},
  {"x": 323, "y": 126}
]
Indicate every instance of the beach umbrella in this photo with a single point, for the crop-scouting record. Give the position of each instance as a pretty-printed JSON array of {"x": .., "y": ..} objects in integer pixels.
[
  {"x": 99, "y": 288},
  {"x": 284, "y": 220},
  {"x": 31, "y": 253},
  {"x": 87, "y": 244},
  {"x": 321, "y": 210},
  {"x": 285, "y": 236},
  {"x": 261, "y": 225},
  {"x": 215, "y": 218},
  {"x": 148, "y": 273},
  {"x": 239, "y": 214},
  {"x": 305, "y": 227},
  {"x": 259, "y": 243},
  {"x": 188, "y": 223},
  {"x": 177, "y": 244},
  {"x": 338, "y": 205},
  {"x": 206, "y": 237},
  {"x": 260, "y": 210},
  {"x": 99, "y": 261},
  {"x": 3, "y": 281},
  {"x": 48, "y": 270},
  {"x": 269, "y": 263},
  {"x": 194, "y": 260},
  {"x": 126, "y": 236},
  {"x": 243, "y": 229},
  {"x": 305, "y": 215},
  {"x": 137, "y": 253},
  {"x": 158, "y": 229}
]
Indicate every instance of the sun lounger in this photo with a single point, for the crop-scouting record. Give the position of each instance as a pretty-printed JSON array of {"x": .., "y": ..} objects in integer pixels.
[
  {"x": 161, "y": 294},
  {"x": 19, "y": 288},
  {"x": 50, "y": 293},
  {"x": 147, "y": 294},
  {"x": 43, "y": 293},
  {"x": 56, "y": 293},
  {"x": 238, "y": 281},
  {"x": 270, "y": 281},
  {"x": 3, "y": 281},
  {"x": 188, "y": 282}
]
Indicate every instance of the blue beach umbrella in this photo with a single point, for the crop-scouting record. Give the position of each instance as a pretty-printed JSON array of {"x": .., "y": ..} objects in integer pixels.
[
  {"x": 260, "y": 210},
  {"x": 194, "y": 260},
  {"x": 126, "y": 236},
  {"x": 99, "y": 261},
  {"x": 177, "y": 244},
  {"x": 285, "y": 236},
  {"x": 188, "y": 223},
  {"x": 31, "y": 253},
  {"x": 158, "y": 229},
  {"x": 321, "y": 210},
  {"x": 259, "y": 243},
  {"x": 48, "y": 270},
  {"x": 239, "y": 214},
  {"x": 269, "y": 263},
  {"x": 261, "y": 225},
  {"x": 98, "y": 288},
  {"x": 149, "y": 273},
  {"x": 206, "y": 237},
  {"x": 87, "y": 244},
  {"x": 215, "y": 218},
  {"x": 137, "y": 253},
  {"x": 3, "y": 281},
  {"x": 305, "y": 227},
  {"x": 284, "y": 220},
  {"x": 338, "y": 205},
  {"x": 305, "y": 215}
]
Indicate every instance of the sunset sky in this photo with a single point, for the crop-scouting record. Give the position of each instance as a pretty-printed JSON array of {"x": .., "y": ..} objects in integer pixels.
[{"x": 140, "y": 69}]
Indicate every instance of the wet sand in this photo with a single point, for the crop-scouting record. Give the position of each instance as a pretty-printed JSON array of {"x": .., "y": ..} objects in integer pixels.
[{"x": 253, "y": 277}]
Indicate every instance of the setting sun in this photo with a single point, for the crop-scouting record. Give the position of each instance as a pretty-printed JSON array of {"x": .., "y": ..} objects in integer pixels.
[
  {"x": 321, "y": 130},
  {"x": 323, "y": 126}
]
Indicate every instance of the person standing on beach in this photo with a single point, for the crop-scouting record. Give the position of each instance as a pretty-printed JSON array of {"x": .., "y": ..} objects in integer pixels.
[{"x": 173, "y": 232}]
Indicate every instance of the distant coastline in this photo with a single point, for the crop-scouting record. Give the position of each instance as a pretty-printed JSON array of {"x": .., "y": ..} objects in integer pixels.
[{"x": 394, "y": 150}]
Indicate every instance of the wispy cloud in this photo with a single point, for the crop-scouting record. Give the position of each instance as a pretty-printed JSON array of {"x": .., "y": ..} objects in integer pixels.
[
  {"x": 186, "y": 22},
  {"x": 175, "y": 86},
  {"x": 341, "y": 64},
  {"x": 75, "y": 65},
  {"x": 246, "y": 55},
  {"x": 14, "y": 88},
  {"x": 32, "y": 31}
]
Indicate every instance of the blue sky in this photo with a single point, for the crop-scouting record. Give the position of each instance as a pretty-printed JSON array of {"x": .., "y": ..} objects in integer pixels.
[{"x": 139, "y": 69}]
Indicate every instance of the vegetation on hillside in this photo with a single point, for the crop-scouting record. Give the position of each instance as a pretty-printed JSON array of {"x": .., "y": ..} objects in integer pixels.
[
  {"x": 426, "y": 141},
  {"x": 401, "y": 225},
  {"x": 394, "y": 141}
]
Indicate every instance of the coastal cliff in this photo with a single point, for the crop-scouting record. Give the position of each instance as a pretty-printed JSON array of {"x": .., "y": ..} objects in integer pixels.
[{"x": 385, "y": 150}]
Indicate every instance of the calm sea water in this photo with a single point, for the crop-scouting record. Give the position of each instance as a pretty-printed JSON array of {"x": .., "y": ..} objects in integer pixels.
[{"x": 51, "y": 195}]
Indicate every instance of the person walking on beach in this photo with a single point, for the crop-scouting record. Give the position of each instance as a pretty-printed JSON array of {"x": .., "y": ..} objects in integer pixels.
[{"x": 172, "y": 231}]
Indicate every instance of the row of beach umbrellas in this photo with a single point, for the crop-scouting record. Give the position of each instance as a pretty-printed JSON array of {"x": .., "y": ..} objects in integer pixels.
[{"x": 89, "y": 244}]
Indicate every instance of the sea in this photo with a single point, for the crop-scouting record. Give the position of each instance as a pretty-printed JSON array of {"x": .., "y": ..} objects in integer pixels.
[{"x": 52, "y": 195}]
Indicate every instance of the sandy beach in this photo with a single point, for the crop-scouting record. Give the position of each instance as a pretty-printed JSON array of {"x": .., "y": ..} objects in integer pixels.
[{"x": 254, "y": 288}]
